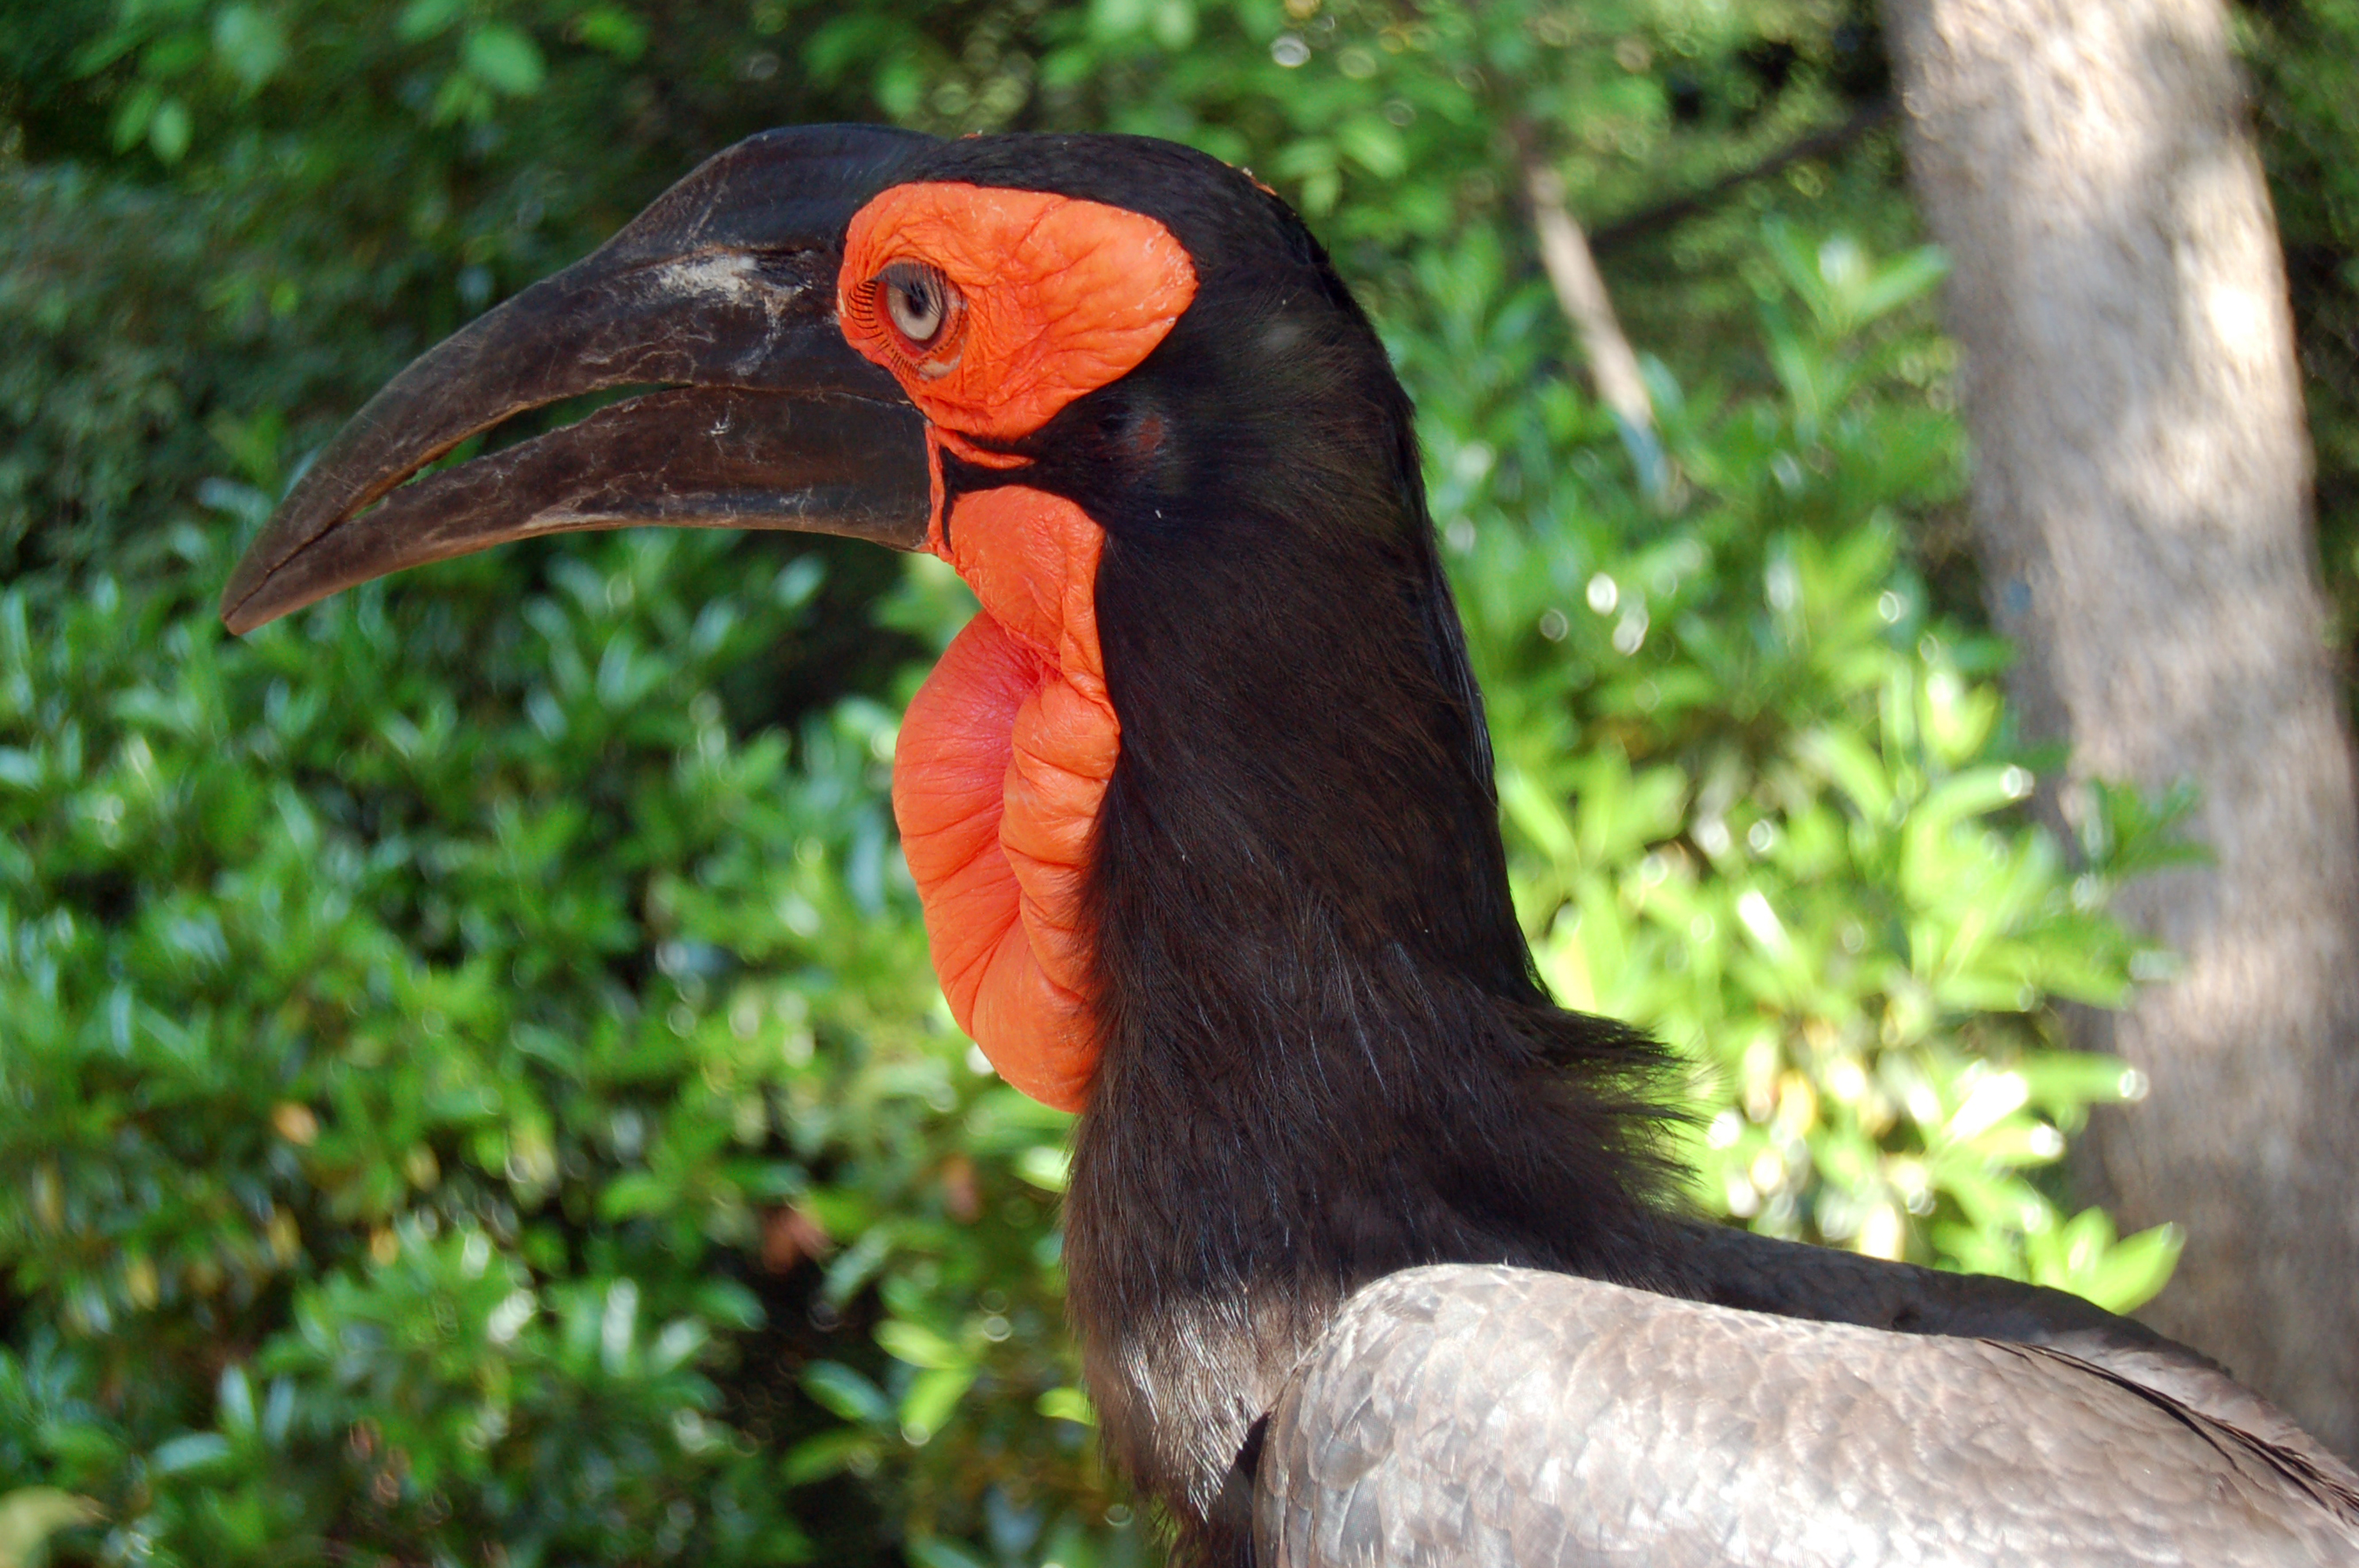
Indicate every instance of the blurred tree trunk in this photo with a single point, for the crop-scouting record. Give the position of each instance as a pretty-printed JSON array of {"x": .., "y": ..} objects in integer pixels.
[{"x": 2141, "y": 507}]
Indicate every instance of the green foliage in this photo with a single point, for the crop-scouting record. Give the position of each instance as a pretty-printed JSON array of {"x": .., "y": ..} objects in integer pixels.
[
  {"x": 432, "y": 1039},
  {"x": 470, "y": 1085},
  {"x": 1760, "y": 799}
]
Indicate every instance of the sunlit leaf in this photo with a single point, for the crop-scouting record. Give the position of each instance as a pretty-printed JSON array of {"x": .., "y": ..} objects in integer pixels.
[
  {"x": 250, "y": 42},
  {"x": 505, "y": 59}
]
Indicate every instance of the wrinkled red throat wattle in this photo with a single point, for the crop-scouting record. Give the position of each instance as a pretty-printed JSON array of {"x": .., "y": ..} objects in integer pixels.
[{"x": 994, "y": 309}]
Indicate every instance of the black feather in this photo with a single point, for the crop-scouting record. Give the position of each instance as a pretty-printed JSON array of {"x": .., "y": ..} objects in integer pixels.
[{"x": 1327, "y": 1055}]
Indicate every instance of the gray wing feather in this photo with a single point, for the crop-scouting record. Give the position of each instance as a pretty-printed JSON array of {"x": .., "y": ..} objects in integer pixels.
[
  {"x": 1500, "y": 1416},
  {"x": 1727, "y": 1266}
]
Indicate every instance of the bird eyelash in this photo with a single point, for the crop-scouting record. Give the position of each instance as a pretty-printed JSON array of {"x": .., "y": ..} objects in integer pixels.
[{"x": 938, "y": 355}]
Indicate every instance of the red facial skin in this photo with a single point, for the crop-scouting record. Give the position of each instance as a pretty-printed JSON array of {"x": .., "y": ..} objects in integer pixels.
[{"x": 1005, "y": 751}]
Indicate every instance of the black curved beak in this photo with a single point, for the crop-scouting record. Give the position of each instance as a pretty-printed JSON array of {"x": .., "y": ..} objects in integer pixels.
[{"x": 721, "y": 293}]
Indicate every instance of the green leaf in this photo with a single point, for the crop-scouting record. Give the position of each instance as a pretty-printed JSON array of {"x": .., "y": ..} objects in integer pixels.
[
  {"x": 2134, "y": 1270},
  {"x": 1115, "y": 19},
  {"x": 931, "y": 1398},
  {"x": 828, "y": 1453},
  {"x": 104, "y": 51},
  {"x": 1067, "y": 1404},
  {"x": 1856, "y": 770},
  {"x": 614, "y": 30},
  {"x": 134, "y": 115},
  {"x": 729, "y": 1304},
  {"x": 917, "y": 1344},
  {"x": 1540, "y": 817},
  {"x": 168, "y": 131},
  {"x": 1974, "y": 792},
  {"x": 1046, "y": 1166},
  {"x": 1173, "y": 23},
  {"x": 190, "y": 1451},
  {"x": 638, "y": 1193},
  {"x": 2066, "y": 1079},
  {"x": 1898, "y": 282},
  {"x": 421, "y": 19},
  {"x": 846, "y": 1393},
  {"x": 235, "y": 1401},
  {"x": 505, "y": 59},
  {"x": 1374, "y": 146},
  {"x": 250, "y": 42},
  {"x": 900, "y": 86}
]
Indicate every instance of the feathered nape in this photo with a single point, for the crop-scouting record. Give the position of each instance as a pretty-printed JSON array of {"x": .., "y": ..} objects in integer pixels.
[{"x": 1326, "y": 1055}]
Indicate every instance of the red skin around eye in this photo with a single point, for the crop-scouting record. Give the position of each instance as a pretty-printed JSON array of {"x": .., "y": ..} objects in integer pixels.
[
  {"x": 1006, "y": 751},
  {"x": 1060, "y": 297}
]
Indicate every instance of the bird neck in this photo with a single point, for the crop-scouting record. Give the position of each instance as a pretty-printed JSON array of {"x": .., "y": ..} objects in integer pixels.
[
  {"x": 1325, "y": 1056},
  {"x": 1305, "y": 945}
]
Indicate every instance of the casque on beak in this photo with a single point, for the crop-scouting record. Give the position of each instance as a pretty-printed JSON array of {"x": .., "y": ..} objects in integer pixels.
[{"x": 722, "y": 293}]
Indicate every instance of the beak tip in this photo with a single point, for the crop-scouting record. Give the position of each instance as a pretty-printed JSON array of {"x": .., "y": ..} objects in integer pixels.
[
  {"x": 246, "y": 580},
  {"x": 246, "y": 602}
]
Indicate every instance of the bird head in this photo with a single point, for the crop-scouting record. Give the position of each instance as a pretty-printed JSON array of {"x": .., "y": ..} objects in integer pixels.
[{"x": 1119, "y": 386}]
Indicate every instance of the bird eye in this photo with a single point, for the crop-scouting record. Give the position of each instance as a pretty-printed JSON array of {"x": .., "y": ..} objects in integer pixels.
[{"x": 919, "y": 301}]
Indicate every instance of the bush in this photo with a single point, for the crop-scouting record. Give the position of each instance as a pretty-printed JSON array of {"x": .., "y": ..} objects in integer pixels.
[
  {"x": 1761, "y": 797},
  {"x": 472, "y": 1089},
  {"x": 439, "y": 1052}
]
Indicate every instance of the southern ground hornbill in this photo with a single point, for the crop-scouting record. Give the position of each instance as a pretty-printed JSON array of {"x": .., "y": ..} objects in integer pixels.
[{"x": 1369, "y": 1254}]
